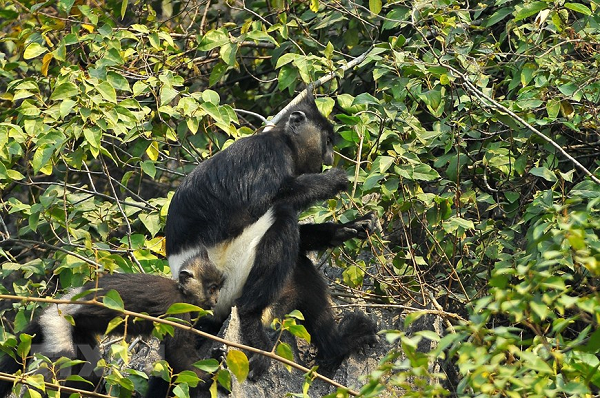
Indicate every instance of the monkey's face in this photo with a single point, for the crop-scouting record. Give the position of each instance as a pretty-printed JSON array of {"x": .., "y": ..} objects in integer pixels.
[
  {"x": 211, "y": 294},
  {"x": 201, "y": 281},
  {"x": 312, "y": 135}
]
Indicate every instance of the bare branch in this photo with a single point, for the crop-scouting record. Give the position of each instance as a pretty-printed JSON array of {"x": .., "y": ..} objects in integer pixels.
[
  {"x": 277, "y": 118},
  {"x": 490, "y": 102}
]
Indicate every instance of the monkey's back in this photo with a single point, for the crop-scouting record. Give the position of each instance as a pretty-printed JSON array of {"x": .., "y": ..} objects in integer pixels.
[{"x": 144, "y": 293}]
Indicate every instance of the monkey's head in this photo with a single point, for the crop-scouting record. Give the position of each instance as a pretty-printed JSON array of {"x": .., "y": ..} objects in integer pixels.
[
  {"x": 311, "y": 136},
  {"x": 201, "y": 281}
]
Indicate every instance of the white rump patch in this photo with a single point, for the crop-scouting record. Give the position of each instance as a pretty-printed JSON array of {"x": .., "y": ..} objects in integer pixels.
[
  {"x": 57, "y": 331},
  {"x": 234, "y": 258}
]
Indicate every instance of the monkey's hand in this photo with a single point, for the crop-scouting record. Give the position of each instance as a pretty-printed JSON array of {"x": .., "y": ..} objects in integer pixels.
[
  {"x": 360, "y": 228},
  {"x": 337, "y": 179}
]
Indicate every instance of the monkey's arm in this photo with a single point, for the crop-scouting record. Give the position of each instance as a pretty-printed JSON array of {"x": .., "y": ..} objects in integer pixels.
[
  {"x": 302, "y": 191},
  {"x": 326, "y": 235}
]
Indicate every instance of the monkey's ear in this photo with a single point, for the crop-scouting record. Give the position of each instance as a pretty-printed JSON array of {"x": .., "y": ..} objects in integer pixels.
[
  {"x": 296, "y": 119},
  {"x": 184, "y": 275}
]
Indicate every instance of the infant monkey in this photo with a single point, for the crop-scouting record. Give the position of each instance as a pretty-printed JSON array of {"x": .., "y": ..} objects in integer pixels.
[{"x": 199, "y": 284}]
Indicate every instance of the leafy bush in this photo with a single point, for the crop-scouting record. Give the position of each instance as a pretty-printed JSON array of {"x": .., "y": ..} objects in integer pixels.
[{"x": 471, "y": 129}]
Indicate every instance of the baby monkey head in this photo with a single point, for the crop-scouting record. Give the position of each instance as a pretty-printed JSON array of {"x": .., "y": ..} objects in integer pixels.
[{"x": 200, "y": 280}]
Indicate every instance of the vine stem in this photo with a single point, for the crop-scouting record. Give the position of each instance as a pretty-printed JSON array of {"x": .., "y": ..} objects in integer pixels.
[
  {"x": 490, "y": 102},
  {"x": 329, "y": 76},
  {"x": 192, "y": 330}
]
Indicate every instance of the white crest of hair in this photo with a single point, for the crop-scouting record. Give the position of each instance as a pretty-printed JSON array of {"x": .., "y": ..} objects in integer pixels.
[
  {"x": 234, "y": 258},
  {"x": 58, "y": 333}
]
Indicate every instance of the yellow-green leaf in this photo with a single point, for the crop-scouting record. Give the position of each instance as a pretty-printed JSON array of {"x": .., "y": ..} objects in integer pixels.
[
  {"x": 285, "y": 351},
  {"x": 375, "y": 6},
  {"x": 113, "y": 301},
  {"x": 107, "y": 91},
  {"x": 34, "y": 50},
  {"x": 152, "y": 150},
  {"x": 237, "y": 363},
  {"x": 123, "y": 9}
]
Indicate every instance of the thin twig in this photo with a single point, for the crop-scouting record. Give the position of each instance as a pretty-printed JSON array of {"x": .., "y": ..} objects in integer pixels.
[
  {"x": 55, "y": 387},
  {"x": 118, "y": 202},
  {"x": 490, "y": 102}
]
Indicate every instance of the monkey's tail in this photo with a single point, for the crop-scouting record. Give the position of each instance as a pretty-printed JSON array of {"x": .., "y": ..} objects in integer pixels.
[{"x": 10, "y": 365}]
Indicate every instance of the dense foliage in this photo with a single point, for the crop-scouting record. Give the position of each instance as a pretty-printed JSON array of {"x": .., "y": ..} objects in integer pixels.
[{"x": 472, "y": 129}]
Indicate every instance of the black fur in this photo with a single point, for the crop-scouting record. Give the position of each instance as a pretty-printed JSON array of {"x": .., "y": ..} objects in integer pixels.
[
  {"x": 278, "y": 170},
  {"x": 199, "y": 284}
]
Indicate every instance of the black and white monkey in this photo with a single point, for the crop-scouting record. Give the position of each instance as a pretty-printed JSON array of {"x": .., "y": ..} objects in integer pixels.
[
  {"x": 242, "y": 205},
  {"x": 199, "y": 284}
]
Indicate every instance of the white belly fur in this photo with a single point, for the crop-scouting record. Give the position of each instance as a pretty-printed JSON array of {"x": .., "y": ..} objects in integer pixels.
[{"x": 234, "y": 257}]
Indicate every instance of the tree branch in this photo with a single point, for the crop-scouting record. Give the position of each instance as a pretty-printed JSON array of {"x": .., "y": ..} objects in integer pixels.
[
  {"x": 277, "y": 118},
  {"x": 490, "y": 102}
]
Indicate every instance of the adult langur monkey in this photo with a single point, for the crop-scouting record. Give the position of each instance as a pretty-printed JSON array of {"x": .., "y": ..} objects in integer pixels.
[{"x": 242, "y": 204}]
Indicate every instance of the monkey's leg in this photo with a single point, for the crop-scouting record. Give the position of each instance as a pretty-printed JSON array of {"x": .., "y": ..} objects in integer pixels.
[
  {"x": 311, "y": 297},
  {"x": 276, "y": 255},
  {"x": 181, "y": 354}
]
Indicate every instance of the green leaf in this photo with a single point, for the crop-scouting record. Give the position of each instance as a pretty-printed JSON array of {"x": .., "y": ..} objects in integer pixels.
[
  {"x": 187, "y": 377},
  {"x": 25, "y": 345},
  {"x": 64, "y": 90},
  {"x": 213, "y": 39},
  {"x": 208, "y": 365},
  {"x": 113, "y": 301},
  {"x": 375, "y": 6},
  {"x": 93, "y": 136},
  {"x": 123, "y": 8},
  {"x": 580, "y": 8},
  {"x": 65, "y": 6},
  {"x": 544, "y": 173},
  {"x": 36, "y": 381},
  {"x": 167, "y": 93},
  {"x": 285, "y": 59},
  {"x": 183, "y": 308},
  {"x": 181, "y": 391},
  {"x": 217, "y": 72},
  {"x": 34, "y": 50},
  {"x": 113, "y": 324},
  {"x": 285, "y": 351},
  {"x": 288, "y": 77},
  {"x": 117, "y": 81},
  {"x": 498, "y": 16},
  {"x": 553, "y": 108},
  {"x": 107, "y": 91},
  {"x": 151, "y": 222},
  {"x": 211, "y": 96},
  {"x": 237, "y": 363},
  {"x": 228, "y": 53},
  {"x": 299, "y": 331},
  {"x": 41, "y": 159},
  {"x": 529, "y": 9},
  {"x": 296, "y": 315},
  {"x": 353, "y": 276}
]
